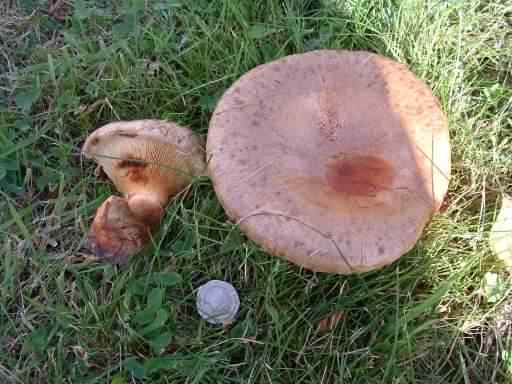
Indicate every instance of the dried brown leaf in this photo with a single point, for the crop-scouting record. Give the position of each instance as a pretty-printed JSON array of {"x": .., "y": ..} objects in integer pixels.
[
  {"x": 59, "y": 9},
  {"x": 330, "y": 322}
]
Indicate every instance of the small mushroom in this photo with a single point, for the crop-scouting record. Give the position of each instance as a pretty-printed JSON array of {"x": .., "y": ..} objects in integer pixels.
[
  {"x": 149, "y": 162},
  {"x": 335, "y": 160}
]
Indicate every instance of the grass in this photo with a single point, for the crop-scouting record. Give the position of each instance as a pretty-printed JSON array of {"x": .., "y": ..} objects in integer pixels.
[{"x": 423, "y": 319}]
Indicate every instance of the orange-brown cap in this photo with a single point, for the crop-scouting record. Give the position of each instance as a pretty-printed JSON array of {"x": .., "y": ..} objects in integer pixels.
[
  {"x": 116, "y": 233},
  {"x": 149, "y": 161},
  {"x": 334, "y": 160}
]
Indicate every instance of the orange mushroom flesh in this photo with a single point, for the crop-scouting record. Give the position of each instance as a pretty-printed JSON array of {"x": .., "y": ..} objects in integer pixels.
[
  {"x": 149, "y": 162},
  {"x": 334, "y": 160}
]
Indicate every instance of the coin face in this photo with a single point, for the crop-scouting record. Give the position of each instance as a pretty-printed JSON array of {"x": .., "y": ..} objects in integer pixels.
[{"x": 217, "y": 302}]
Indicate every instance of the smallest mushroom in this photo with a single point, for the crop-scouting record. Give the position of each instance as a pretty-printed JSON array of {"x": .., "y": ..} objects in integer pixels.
[{"x": 149, "y": 162}]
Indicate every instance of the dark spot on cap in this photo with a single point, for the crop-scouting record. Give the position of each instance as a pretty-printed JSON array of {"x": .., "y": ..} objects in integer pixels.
[
  {"x": 298, "y": 244},
  {"x": 371, "y": 84},
  {"x": 359, "y": 175},
  {"x": 255, "y": 123},
  {"x": 381, "y": 250},
  {"x": 95, "y": 141},
  {"x": 126, "y": 134}
]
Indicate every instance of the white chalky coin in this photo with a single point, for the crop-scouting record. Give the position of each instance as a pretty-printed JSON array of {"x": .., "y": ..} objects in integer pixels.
[{"x": 217, "y": 302}]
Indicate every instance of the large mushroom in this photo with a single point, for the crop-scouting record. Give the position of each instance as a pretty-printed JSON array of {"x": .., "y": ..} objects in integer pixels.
[
  {"x": 334, "y": 160},
  {"x": 149, "y": 162}
]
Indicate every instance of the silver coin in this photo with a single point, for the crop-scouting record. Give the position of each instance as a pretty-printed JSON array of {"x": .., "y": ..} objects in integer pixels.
[{"x": 217, "y": 302}]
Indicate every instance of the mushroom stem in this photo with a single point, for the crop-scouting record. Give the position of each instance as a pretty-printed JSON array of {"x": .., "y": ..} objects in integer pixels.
[{"x": 148, "y": 207}]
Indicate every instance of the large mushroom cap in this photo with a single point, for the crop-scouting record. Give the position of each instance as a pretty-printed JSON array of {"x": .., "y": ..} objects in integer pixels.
[
  {"x": 149, "y": 161},
  {"x": 335, "y": 160}
]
